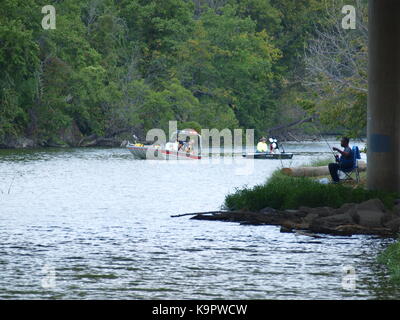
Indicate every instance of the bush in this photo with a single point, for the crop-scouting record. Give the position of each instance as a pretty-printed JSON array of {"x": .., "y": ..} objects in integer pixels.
[
  {"x": 391, "y": 258},
  {"x": 283, "y": 192},
  {"x": 320, "y": 162}
]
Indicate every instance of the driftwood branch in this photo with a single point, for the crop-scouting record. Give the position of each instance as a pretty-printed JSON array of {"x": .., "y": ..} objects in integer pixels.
[
  {"x": 196, "y": 213},
  {"x": 297, "y": 122},
  {"x": 113, "y": 133},
  {"x": 293, "y": 137},
  {"x": 208, "y": 213}
]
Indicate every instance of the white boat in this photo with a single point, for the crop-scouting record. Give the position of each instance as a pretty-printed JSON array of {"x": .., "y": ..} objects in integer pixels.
[{"x": 183, "y": 145}]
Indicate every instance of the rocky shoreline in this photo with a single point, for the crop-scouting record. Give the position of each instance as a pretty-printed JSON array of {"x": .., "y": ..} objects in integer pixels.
[
  {"x": 69, "y": 137},
  {"x": 84, "y": 142},
  {"x": 368, "y": 218},
  {"x": 72, "y": 137}
]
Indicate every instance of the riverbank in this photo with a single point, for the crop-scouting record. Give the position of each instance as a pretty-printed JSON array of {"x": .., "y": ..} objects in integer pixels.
[
  {"x": 72, "y": 137},
  {"x": 305, "y": 205},
  {"x": 390, "y": 257},
  {"x": 67, "y": 141}
]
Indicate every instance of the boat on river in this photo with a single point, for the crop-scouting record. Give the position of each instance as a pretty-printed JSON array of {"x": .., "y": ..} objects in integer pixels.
[
  {"x": 184, "y": 145},
  {"x": 274, "y": 152},
  {"x": 268, "y": 155}
]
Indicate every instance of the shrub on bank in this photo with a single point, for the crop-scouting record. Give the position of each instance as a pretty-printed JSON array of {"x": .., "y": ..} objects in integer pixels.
[
  {"x": 320, "y": 162},
  {"x": 283, "y": 192},
  {"x": 391, "y": 258}
]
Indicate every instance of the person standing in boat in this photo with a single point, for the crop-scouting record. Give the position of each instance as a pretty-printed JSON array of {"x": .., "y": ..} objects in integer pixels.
[{"x": 262, "y": 145}]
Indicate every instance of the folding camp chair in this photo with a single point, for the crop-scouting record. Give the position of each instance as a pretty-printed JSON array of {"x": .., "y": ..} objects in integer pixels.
[{"x": 354, "y": 169}]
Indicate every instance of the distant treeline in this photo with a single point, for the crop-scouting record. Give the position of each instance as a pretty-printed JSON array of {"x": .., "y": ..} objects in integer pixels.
[{"x": 115, "y": 67}]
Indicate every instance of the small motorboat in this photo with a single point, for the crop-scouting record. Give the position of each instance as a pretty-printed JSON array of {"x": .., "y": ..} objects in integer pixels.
[
  {"x": 274, "y": 152},
  {"x": 268, "y": 155},
  {"x": 176, "y": 149}
]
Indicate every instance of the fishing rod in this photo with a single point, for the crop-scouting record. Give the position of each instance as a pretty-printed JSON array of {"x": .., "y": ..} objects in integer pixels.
[
  {"x": 272, "y": 141},
  {"x": 283, "y": 149},
  {"x": 330, "y": 148}
]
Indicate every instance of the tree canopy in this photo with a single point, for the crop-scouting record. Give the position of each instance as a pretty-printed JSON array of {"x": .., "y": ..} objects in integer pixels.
[{"x": 114, "y": 66}]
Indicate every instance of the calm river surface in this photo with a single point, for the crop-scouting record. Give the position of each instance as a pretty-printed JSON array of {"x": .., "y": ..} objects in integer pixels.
[{"x": 95, "y": 224}]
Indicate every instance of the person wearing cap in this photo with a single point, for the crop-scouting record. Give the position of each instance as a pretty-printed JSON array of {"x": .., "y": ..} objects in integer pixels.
[{"x": 262, "y": 145}]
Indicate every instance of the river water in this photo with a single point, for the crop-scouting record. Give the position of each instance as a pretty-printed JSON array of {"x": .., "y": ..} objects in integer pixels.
[{"x": 95, "y": 224}]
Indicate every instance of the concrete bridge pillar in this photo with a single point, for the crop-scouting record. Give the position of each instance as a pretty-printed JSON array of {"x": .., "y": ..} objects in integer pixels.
[{"x": 384, "y": 95}]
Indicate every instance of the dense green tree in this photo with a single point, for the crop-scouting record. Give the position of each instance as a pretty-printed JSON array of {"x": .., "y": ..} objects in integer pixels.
[
  {"x": 228, "y": 66},
  {"x": 19, "y": 58},
  {"x": 115, "y": 66},
  {"x": 336, "y": 71}
]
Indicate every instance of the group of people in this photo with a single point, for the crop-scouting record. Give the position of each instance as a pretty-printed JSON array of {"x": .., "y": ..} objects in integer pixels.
[
  {"x": 262, "y": 145},
  {"x": 185, "y": 146},
  {"x": 344, "y": 162},
  {"x": 180, "y": 145}
]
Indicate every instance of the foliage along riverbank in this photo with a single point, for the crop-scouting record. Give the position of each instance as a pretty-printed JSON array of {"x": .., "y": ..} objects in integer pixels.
[
  {"x": 114, "y": 67},
  {"x": 304, "y": 204},
  {"x": 283, "y": 192},
  {"x": 390, "y": 257}
]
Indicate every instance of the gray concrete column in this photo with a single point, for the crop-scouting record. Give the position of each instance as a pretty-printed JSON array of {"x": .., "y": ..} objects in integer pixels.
[{"x": 384, "y": 95}]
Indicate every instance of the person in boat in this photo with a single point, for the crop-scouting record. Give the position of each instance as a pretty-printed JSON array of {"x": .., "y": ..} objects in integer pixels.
[
  {"x": 188, "y": 145},
  {"x": 184, "y": 145},
  {"x": 345, "y": 161},
  {"x": 180, "y": 145},
  {"x": 262, "y": 145},
  {"x": 273, "y": 147}
]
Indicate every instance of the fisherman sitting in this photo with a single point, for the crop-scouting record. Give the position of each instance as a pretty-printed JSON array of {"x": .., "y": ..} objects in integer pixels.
[
  {"x": 262, "y": 145},
  {"x": 344, "y": 162}
]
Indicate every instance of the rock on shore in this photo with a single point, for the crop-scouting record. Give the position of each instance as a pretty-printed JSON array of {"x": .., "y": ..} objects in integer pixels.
[{"x": 369, "y": 217}]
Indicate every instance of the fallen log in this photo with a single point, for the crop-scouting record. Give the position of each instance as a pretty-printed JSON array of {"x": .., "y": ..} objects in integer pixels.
[
  {"x": 315, "y": 171},
  {"x": 196, "y": 213}
]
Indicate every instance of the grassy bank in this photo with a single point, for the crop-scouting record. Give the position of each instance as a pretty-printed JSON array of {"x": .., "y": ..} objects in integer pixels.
[
  {"x": 391, "y": 258},
  {"x": 284, "y": 192},
  {"x": 319, "y": 162}
]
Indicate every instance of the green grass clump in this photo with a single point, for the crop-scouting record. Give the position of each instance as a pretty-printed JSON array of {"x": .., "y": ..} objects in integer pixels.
[
  {"x": 283, "y": 192},
  {"x": 391, "y": 258},
  {"x": 320, "y": 162}
]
